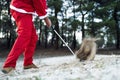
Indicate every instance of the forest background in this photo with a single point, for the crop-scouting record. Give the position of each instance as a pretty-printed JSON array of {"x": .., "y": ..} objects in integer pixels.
[{"x": 73, "y": 20}]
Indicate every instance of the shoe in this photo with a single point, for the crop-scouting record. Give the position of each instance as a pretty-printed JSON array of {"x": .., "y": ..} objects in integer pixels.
[
  {"x": 30, "y": 66},
  {"x": 7, "y": 70}
]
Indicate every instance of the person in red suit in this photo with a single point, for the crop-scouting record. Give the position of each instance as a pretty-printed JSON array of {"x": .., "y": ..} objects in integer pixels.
[{"x": 22, "y": 11}]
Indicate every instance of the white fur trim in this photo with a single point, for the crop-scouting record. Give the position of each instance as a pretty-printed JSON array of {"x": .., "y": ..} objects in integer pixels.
[
  {"x": 23, "y": 11},
  {"x": 42, "y": 17}
]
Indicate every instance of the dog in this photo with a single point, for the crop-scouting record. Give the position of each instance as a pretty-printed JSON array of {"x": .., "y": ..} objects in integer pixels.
[{"x": 87, "y": 49}]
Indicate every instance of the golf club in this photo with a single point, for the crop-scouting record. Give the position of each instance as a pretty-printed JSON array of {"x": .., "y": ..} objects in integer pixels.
[{"x": 63, "y": 41}]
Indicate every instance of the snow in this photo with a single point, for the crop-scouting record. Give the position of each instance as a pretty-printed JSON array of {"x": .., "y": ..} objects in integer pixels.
[{"x": 104, "y": 67}]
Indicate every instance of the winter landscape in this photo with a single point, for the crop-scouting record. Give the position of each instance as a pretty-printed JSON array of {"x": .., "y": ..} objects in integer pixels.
[
  {"x": 103, "y": 67},
  {"x": 72, "y": 20}
]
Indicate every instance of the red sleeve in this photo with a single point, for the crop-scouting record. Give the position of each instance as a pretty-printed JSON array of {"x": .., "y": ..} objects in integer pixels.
[
  {"x": 44, "y": 2},
  {"x": 40, "y": 7}
]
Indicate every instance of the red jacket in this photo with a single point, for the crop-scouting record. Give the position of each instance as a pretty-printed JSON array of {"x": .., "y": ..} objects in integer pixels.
[{"x": 30, "y": 7}]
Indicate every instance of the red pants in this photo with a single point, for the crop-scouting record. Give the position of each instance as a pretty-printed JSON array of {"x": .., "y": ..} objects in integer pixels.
[{"x": 25, "y": 42}]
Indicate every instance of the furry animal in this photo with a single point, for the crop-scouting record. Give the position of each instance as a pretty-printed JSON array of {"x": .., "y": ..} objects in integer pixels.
[{"x": 87, "y": 49}]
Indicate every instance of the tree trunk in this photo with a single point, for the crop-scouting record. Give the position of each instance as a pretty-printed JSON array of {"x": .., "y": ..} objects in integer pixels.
[
  {"x": 92, "y": 26},
  {"x": 39, "y": 40},
  {"x": 83, "y": 29},
  {"x": 117, "y": 28},
  {"x": 8, "y": 39},
  {"x": 57, "y": 29},
  {"x": 62, "y": 37},
  {"x": 46, "y": 35},
  {"x": 0, "y": 14},
  {"x": 74, "y": 40}
]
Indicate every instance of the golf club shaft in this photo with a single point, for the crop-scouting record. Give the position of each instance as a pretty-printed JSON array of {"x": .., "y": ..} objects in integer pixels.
[{"x": 64, "y": 42}]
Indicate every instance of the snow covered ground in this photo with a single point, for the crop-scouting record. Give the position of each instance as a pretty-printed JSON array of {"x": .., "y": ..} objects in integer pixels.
[{"x": 104, "y": 67}]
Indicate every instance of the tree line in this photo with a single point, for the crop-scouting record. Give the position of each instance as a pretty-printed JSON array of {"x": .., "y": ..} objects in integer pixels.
[{"x": 93, "y": 18}]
